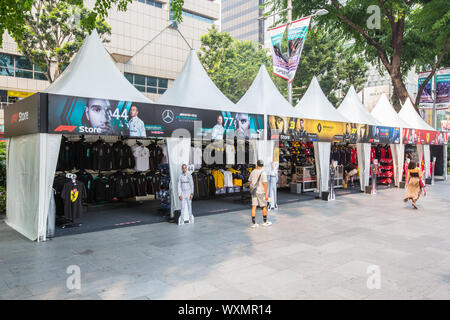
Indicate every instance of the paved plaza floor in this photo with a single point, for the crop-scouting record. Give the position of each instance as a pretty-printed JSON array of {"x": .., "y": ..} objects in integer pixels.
[{"x": 313, "y": 250}]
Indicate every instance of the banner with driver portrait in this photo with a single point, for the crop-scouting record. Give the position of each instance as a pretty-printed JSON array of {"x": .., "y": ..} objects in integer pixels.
[
  {"x": 78, "y": 115},
  {"x": 298, "y": 129}
]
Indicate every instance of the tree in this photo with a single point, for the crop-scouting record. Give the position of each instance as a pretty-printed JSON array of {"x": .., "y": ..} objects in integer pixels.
[
  {"x": 54, "y": 32},
  {"x": 394, "y": 34},
  {"x": 333, "y": 61},
  {"x": 13, "y": 13},
  {"x": 231, "y": 64}
]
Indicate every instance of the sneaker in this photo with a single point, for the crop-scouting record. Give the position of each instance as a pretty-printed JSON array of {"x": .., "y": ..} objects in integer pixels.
[
  {"x": 266, "y": 224},
  {"x": 254, "y": 226}
]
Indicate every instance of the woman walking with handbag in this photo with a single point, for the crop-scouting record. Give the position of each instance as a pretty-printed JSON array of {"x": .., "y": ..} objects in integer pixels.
[{"x": 413, "y": 177}]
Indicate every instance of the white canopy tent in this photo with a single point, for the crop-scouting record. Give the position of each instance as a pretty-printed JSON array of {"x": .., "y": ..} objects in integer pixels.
[
  {"x": 93, "y": 74},
  {"x": 264, "y": 97},
  {"x": 410, "y": 115},
  {"x": 352, "y": 108},
  {"x": 385, "y": 113},
  {"x": 315, "y": 105},
  {"x": 194, "y": 89},
  {"x": 32, "y": 159}
]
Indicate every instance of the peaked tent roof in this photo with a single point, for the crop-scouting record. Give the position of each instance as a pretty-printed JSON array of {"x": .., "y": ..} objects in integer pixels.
[
  {"x": 352, "y": 108},
  {"x": 93, "y": 74},
  {"x": 193, "y": 88},
  {"x": 386, "y": 115},
  {"x": 263, "y": 97},
  {"x": 315, "y": 105},
  {"x": 410, "y": 116}
]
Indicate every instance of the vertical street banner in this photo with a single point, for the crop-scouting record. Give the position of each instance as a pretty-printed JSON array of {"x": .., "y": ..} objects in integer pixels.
[
  {"x": 442, "y": 87},
  {"x": 280, "y": 61},
  {"x": 295, "y": 39}
]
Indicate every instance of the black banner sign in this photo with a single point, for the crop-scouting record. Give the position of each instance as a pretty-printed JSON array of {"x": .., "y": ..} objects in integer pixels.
[{"x": 75, "y": 115}]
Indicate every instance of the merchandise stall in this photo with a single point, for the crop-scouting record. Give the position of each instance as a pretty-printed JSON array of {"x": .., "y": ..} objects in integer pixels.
[
  {"x": 263, "y": 97},
  {"x": 222, "y": 154},
  {"x": 320, "y": 123},
  {"x": 390, "y": 154},
  {"x": 33, "y": 153},
  {"x": 370, "y": 145},
  {"x": 424, "y": 137}
]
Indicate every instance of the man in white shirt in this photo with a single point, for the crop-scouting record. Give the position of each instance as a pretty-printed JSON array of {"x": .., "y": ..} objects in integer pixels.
[
  {"x": 185, "y": 193},
  {"x": 137, "y": 127},
  {"x": 218, "y": 130},
  {"x": 258, "y": 181}
]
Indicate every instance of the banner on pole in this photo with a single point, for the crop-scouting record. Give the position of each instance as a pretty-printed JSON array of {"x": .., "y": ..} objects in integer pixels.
[
  {"x": 280, "y": 61},
  {"x": 296, "y": 39}
]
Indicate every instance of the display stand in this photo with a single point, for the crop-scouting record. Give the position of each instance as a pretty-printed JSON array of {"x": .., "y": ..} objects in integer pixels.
[
  {"x": 331, "y": 194},
  {"x": 374, "y": 171},
  {"x": 306, "y": 176},
  {"x": 433, "y": 166},
  {"x": 339, "y": 177}
]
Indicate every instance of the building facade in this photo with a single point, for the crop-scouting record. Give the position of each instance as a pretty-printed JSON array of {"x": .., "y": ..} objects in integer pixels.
[
  {"x": 144, "y": 48},
  {"x": 240, "y": 19}
]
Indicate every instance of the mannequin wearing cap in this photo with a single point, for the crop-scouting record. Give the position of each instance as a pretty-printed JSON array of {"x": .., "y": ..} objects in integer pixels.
[{"x": 185, "y": 193}]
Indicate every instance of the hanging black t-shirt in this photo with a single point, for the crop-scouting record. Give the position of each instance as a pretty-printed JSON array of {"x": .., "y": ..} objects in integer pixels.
[
  {"x": 73, "y": 195},
  {"x": 66, "y": 156},
  {"x": 102, "y": 189},
  {"x": 87, "y": 180},
  {"x": 82, "y": 154}
]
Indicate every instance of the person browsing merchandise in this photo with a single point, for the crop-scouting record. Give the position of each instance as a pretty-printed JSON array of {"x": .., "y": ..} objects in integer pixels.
[
  {"x": 137, "y": 127},
  {"x": 259, "y": 193}
]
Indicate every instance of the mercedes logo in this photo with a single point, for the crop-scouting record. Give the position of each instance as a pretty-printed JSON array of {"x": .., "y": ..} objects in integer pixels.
[{"x": 168, "y": 116}]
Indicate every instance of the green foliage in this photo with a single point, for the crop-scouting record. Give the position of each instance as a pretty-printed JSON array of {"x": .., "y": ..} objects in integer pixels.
[
  {"x": 54, "y": 32},
  {"x": 411, "y": 33},
  {"x": 13, "y": 13},
  {"x": 333, "y": 61},
  {"x": 231, "y": 64},
  {"x": 176, "y": 7}
]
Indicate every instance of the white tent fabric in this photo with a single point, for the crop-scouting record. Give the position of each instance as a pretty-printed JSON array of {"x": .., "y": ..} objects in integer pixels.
[
  {"x": 352, "y": 108},
  {"x": 322, "y": 157},
  {"x": 264, "y": 97},
  {"x": 315, "y": 105},
  {"x": 31, "y": 165},
  {"x": 386, "y": 115},
  {"x": 93, "y": 74},
  {"x": 363, "y": 150},
  {"x": 410, "y": 116},
  {"x": 194, "y": 89}
]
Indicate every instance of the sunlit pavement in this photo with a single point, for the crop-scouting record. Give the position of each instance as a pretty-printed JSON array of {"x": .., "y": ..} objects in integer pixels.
[{"x": 357, "y": 247}]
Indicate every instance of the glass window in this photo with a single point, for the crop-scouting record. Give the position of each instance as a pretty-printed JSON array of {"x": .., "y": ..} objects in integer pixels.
[
  {"x": 39, "y": 76},
  {"x": 129, "y": 77},
  {"x": 140, "y": 88},
  {"x": 151, "y": 81},
  {"x": 161, "y": 90},
  {"x": 162, "y": 83},
  {"x": 6, "y": 60},
  {"x": 138, "y": 79},
  {"x": 7, "y": 72},
  {"x": 152, "y": 90},
  {"x": 23, "y": 63},
  {"x": 24, "y": 74}
]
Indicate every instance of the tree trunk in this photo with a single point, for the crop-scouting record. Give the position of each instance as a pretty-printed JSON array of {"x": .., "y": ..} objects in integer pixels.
[{"x": 400, "y": 92}]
